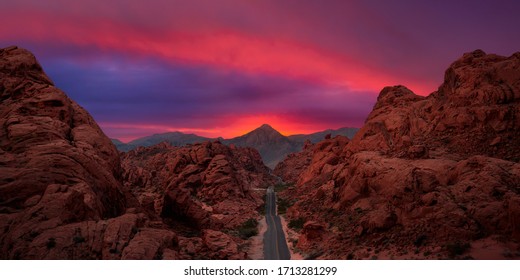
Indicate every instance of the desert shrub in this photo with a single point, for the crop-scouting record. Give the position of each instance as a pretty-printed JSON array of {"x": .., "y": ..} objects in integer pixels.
[
  {"x": 282, "y": 186},
  {"x": 250, "y": 223},
  {"x": 419, "y": 241},
  {"x": 457, "y": 248},
  {"x": 296, "y": 223},
  {"x": 283, "y": 204},
  {"x": 248, "y": 229},
  {"x": 261, "y": 209},
  {"x": 51, "y": 243},
  {"x": 78, "y": 239},
  {"x": 313, "y": 255}
]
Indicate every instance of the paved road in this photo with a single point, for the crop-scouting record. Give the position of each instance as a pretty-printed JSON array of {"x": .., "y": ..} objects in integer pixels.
[{"x": 275, "y": 247}]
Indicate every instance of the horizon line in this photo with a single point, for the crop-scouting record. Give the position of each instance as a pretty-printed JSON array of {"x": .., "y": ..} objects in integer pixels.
[{"x": 125, "y": 140}]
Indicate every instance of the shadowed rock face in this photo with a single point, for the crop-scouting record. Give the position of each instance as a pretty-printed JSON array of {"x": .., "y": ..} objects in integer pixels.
[
  {"x": 56, "y": 165},
  {"x": 202, "y": 185},
  {"x": 425, "y": 177},
  {"x": 64, "y": 195},
  {"x": 48, "y": 139}
]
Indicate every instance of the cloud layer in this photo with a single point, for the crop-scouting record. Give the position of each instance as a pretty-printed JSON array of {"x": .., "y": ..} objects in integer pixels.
[{"x": 221, "y": 68}]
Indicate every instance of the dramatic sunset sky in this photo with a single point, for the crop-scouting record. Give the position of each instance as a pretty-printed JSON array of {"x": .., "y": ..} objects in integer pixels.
[{"x": 222, "y": 68}]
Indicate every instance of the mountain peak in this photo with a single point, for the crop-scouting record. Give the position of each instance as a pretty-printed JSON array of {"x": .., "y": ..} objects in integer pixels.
[
  {"x": 266, "y": 130},
  {"x": 266, "y": 126}
]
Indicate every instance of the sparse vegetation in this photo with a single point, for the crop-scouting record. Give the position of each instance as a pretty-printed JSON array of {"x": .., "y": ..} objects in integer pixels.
[
  {"x": 313, "y": 255},
  {"x": 248, "y": 229},
  {"x": 78, "y": 239},
  {"x": 51, "y": 243},
  {"x": 283, "y": 205},
  {"x": 261, "y": 209},
  {"x": 420, "y": 240},
  {"x": 457, "y": 248},
  {"x": 296, "y": 224},
  {"x": 282, "y": 186},
  {"x": 158, "y": 255}
]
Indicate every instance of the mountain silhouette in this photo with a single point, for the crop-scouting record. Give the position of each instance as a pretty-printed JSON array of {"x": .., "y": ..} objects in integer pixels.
[{"x": 271, "y": 144}]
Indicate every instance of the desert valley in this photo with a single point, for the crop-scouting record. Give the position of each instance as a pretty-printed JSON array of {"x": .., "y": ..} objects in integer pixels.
[{"x": 425, "y": 177}]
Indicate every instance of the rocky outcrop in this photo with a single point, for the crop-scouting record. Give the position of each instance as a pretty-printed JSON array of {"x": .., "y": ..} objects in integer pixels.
[
  {"x": 295, "y": 163},
  {"x": 431, "y": 175},
  {"x": 474, "y": 112},
  {"x": 202, "y": 185},
  {"x": 314, "y": 162},
  {"x": 56, "y": 165},
  {"x": 64, "y": 195},
  {"x": 202, "y": 190}
]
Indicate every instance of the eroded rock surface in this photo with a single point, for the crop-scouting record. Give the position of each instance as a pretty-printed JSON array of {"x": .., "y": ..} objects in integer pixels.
[
  {"x": 205, "y": 185},
  {"x": 65, "y": 195},
  {"x": 425, "y": 177}
]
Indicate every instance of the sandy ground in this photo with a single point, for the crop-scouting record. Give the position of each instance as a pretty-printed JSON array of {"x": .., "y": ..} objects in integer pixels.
[
  {"x": 291, "y": 235},
  {"x": 256, "y": 243}
]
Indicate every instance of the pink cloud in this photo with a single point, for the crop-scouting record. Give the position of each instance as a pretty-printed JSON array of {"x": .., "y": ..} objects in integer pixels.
[{"x": 220, "y": 47}]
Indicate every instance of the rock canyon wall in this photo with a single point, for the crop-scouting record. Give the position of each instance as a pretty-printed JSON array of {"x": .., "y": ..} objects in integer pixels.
[
  {"x": 425, "y": 177},
  {"x": 65, "y": 193}
]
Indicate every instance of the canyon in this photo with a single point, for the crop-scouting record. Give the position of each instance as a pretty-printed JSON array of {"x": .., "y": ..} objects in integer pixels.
[
  {"x": 433, "y": 177},
  {"x": 67, "y": 193}
]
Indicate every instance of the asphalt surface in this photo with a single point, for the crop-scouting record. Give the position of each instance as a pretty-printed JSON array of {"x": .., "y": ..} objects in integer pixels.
[{"x": 275, "y": 246}]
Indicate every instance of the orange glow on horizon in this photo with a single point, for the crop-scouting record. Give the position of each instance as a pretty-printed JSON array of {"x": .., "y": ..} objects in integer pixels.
[
  {"x": 239, "y": 127},
  {"x": 246, "y": 124}
]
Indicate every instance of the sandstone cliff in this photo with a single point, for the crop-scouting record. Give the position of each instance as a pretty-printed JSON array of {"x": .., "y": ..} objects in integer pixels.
[
  {"x": 206, "y": 185},
  {"x": 64, "y": 195},
  {"x": 425, "y": 177}
]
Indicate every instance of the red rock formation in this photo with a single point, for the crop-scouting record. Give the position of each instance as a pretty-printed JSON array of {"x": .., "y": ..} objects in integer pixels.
[
  {"x": 424, "y": 174},
  {"x": 474, "y": 112},
  {"x": 203, "y": 185},
  {"x": 199, "y": 190},
  {"x": 56, "y": 165},
  {"x": 296, "y": 168},
  {"x": 62, "y": 194}
]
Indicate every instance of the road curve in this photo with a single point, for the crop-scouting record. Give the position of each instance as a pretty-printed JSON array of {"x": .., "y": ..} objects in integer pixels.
[{"x": 275, "y": 246}]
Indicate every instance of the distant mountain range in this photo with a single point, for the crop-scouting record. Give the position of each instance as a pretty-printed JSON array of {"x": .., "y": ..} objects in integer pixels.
[
  {"x": 271, "y": 144},
  {"x": 173, "y": 138}
]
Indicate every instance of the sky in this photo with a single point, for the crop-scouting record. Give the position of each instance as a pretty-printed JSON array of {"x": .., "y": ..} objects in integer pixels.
[{"x": 223, "y": 68}]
